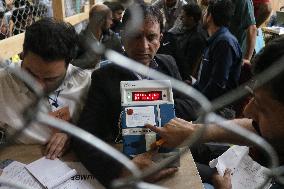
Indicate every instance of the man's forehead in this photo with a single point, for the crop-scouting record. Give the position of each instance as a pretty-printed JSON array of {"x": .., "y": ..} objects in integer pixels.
[{"x": 150, "y": 25}]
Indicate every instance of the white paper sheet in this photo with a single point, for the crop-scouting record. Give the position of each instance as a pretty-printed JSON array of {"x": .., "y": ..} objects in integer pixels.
[
  {"x": 16, "y": 172},
  {"x": 140, "y": 116},
  {"x": 245, "y": 173},
  {"x": 85, "y": 181},
  {"x": 50, "y": 173}
]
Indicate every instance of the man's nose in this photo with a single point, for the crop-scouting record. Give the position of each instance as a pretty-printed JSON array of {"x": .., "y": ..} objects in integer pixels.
[
  {"x": 143, "y": 43},
  {"x": 42, "y": 83}
]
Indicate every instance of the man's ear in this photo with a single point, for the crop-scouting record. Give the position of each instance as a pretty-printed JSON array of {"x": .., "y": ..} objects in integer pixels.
[{"x": 161, "y": 37}]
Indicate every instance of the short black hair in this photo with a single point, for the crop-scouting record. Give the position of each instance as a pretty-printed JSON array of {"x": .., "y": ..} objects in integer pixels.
[
  {"x": 148, "y": 11},
  {"x": 51, "y": 40},
  {"x": 273, "y": 52},
  {"x": 221, "y": 11},
  {"x": 193, "y": 10},
  {"x": 114, "y": 6}
]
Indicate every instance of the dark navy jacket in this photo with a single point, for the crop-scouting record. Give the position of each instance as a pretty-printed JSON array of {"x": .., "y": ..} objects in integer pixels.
[{"x": 221, "y": 65}]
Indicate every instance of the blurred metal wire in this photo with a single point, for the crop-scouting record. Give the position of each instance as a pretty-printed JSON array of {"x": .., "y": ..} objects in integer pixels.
[
  {"x": 17, "y": 15},
  {"x": 37, "y": 116},
  {"x": 89, "y": 138},
  {"x": 205, "y": 106},
  {"x": 206, "y": 113}
]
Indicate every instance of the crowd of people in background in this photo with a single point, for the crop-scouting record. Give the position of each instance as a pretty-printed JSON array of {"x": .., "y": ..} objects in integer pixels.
[
  {"x": 17, "y": 15},
  {"x": 208, "y": 44}
]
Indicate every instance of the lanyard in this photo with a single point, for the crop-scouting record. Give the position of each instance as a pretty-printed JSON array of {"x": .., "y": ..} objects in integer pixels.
[{"x": 55, "y": 100}]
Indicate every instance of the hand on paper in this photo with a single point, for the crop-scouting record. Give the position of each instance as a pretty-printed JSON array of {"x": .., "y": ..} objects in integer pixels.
[
  {"x": 57, "y": 145},
  {"x": 174, "y": 132},
  {"x": 222, "y": 182},
  {"x": 144, "y": 161}
]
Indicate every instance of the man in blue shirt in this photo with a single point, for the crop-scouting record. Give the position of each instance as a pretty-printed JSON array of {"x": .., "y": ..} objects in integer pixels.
[{"x": 221, "y": 65}]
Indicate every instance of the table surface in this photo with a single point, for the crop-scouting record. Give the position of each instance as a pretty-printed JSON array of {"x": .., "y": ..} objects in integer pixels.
[{"x": 186, "y": 177}]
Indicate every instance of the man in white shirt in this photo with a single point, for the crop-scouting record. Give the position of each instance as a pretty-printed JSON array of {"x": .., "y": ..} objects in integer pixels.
[{"x": 49, "y": 47}]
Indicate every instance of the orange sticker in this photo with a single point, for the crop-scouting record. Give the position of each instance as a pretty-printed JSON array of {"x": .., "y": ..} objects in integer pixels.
[{"x": 62, "y": 113}]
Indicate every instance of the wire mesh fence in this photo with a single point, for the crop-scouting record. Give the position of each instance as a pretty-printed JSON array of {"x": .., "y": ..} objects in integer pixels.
[
  {"x": 17, "y": 15},
  {"x": 29, "y": 13}
]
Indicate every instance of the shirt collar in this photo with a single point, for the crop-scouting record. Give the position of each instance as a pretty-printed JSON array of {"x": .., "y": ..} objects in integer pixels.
[
  {"x": 91, "y": 35},
  {"x": 153, "y": 64},
  {"x": 67, "y": 82},
  {"x": 215, "y": 35}
]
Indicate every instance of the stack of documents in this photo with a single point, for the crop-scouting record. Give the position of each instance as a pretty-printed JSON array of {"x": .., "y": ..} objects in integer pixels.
[{"x": 46, "y": 173}]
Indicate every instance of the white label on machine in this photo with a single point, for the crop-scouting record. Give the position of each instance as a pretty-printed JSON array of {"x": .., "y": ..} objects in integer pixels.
[
  {"x": 139, "y": 116},
  {"x": 137, "y": 131},
  {"x": 150, "y": 138}
]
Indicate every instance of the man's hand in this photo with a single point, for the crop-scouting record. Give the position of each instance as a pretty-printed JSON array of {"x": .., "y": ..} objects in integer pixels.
[
  {"x": 144, "y": 161},
  {"x": 224, "y": 182},
  {"x": 57, "y": 145},
  {"x": 245, "y": 61},
  {"x": 174, "y": 132}
]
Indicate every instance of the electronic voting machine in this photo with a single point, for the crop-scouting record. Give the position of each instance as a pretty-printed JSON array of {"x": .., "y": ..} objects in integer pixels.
[{"x": 144, "y": 101}]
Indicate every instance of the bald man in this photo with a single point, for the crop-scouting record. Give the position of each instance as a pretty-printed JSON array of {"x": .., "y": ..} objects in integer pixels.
[{"x": 97, "y": 32}]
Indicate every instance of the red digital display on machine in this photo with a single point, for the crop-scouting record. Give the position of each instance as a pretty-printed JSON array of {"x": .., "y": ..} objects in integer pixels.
[{"x": 147, "y": 96}]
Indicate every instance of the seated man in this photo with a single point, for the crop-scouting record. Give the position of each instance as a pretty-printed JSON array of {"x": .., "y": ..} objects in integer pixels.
[
  {"x": 186, "y": 43},
  {"x": 221, "y": 64},
  {"x": 264, "y": 112},
  {"x": 49, "y": 46},
  {"x": 102, "y": 111},
  {"x": 98, "y": 31}
]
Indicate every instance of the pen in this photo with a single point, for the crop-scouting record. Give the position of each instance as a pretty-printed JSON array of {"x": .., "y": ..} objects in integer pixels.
[{"x": 158, "y": 144}]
